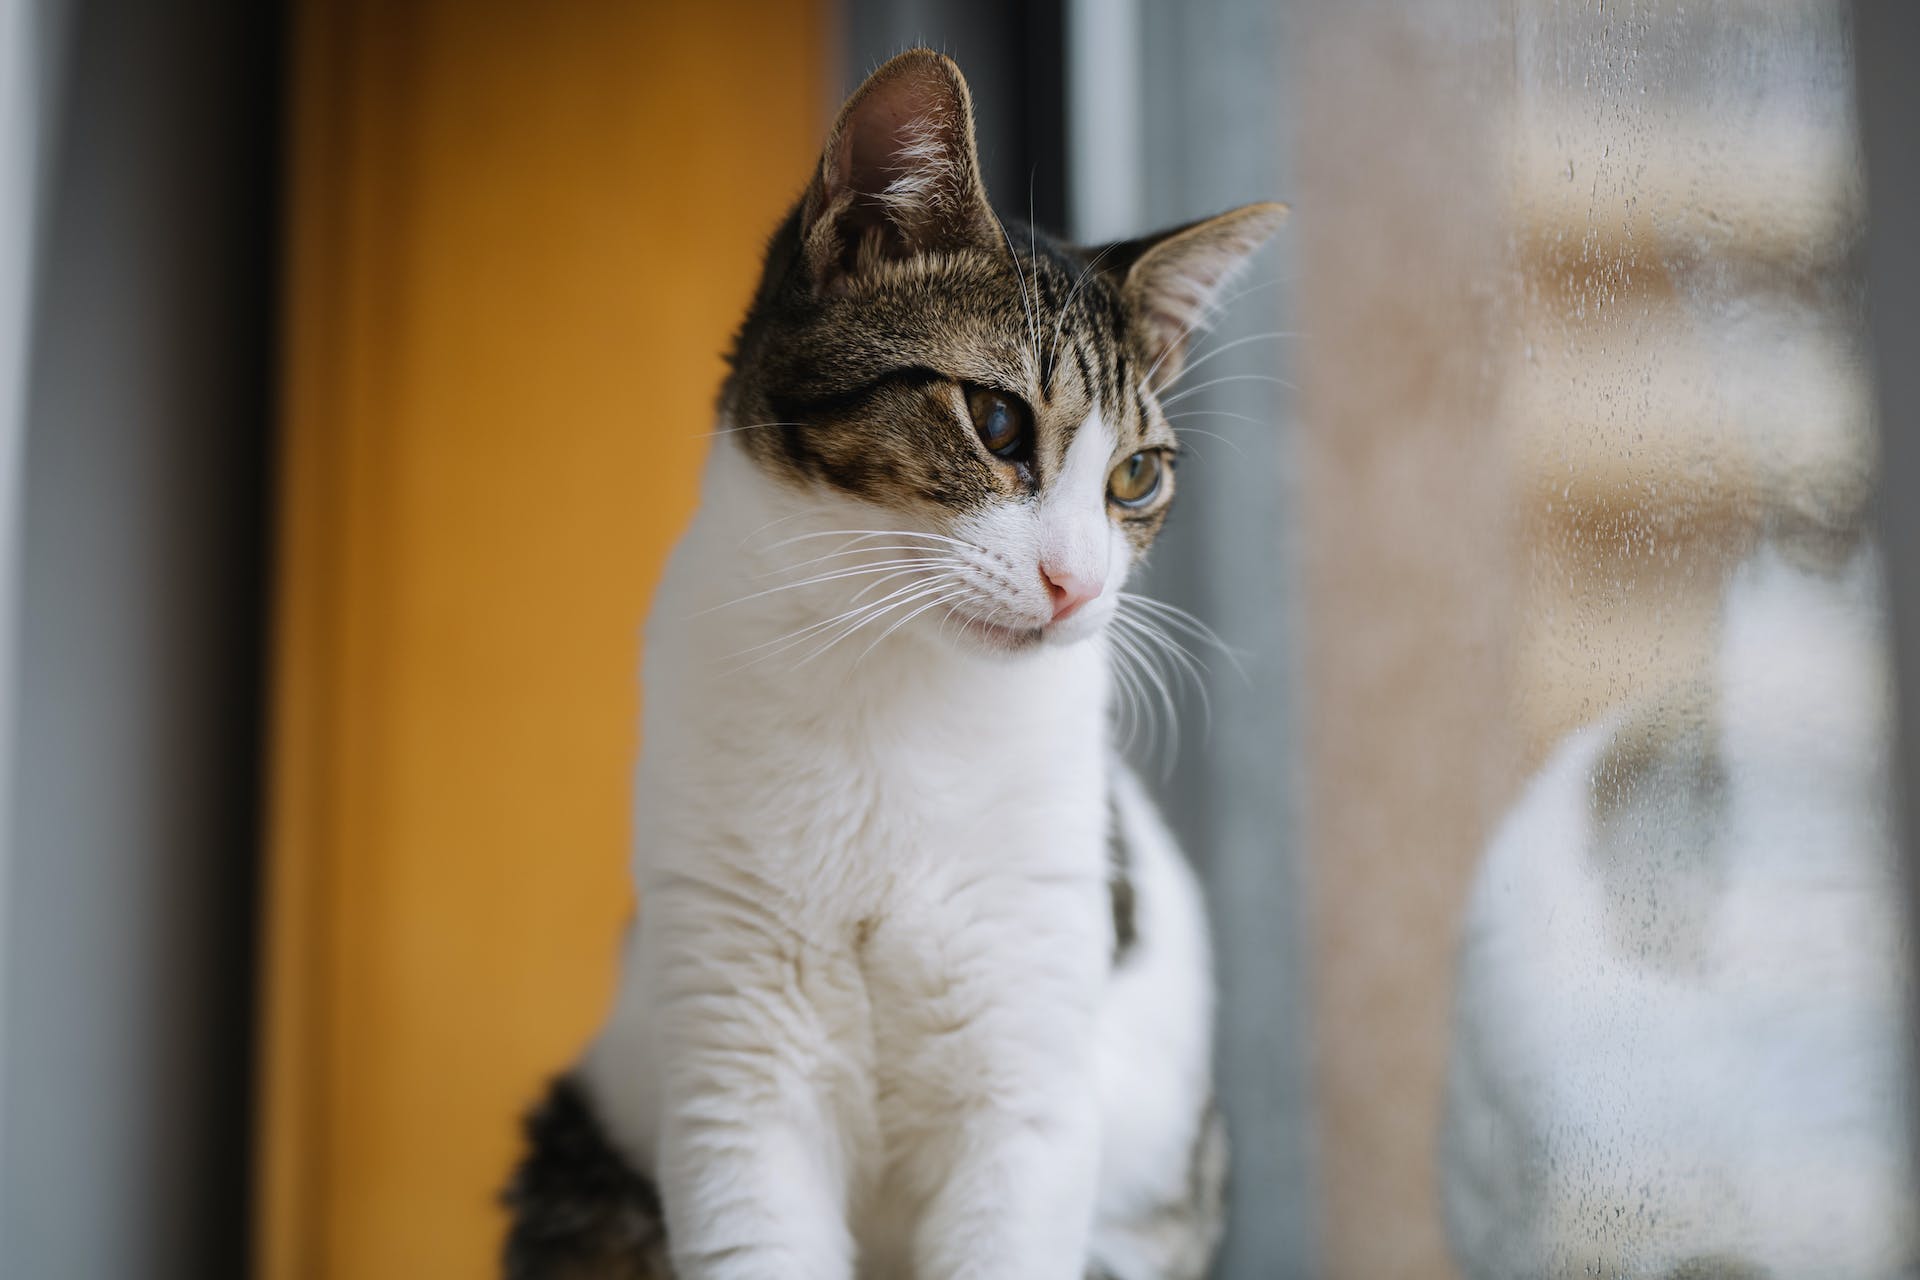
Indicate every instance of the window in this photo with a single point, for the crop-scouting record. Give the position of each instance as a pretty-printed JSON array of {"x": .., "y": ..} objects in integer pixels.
[{"x": 1550, "y": 834}]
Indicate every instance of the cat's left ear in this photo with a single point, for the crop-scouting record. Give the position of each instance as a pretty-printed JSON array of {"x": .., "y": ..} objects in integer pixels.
[
  {"x": 1172, "y": 282},
  {"x": 900, "y": 175}
]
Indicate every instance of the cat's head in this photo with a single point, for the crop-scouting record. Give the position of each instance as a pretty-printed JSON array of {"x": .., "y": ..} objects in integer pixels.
[{"x": 986, "y": 396}]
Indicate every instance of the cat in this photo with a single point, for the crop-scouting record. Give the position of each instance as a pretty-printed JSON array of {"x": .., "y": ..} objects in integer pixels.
[
  {"x": 920, "y": 984},
  {"x": 1680, "y": 1019}
]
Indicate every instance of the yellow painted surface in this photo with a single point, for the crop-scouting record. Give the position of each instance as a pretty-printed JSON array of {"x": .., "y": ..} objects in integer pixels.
[{"x": 520, "y": 235}]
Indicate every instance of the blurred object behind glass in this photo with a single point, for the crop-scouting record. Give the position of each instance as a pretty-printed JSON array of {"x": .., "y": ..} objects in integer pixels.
[{"x": 1613, "y": 278}]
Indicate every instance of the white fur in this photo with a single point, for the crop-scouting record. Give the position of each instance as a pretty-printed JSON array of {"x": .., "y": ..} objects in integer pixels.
[
  {"x": 925, "y": 171},
  {"x": 868, "y": 1023},
  {"x": 1067, "y": 531},
  {"x": 1610, "y": 1117}
]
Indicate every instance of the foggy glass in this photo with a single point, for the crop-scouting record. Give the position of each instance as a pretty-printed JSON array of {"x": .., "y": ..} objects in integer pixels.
[{"x": 1677, "y": 1045}]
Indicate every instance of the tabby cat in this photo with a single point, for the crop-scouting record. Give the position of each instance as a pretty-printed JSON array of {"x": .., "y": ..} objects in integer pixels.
[{"x": 920, "y": 984}]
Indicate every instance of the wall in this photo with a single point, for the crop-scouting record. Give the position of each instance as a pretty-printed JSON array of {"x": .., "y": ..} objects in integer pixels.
[{"x": 520, "y": 235}]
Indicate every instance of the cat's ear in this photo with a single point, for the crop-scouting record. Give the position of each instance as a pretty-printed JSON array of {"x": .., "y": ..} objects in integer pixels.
[
  {"x": 900, "y": 175},
  {"x": 1173, "y": 282}
]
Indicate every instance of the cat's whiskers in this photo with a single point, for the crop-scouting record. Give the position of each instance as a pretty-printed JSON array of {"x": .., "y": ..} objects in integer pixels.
[
  {"x": 951, "y": 594},
  {"x": 1216, "y": 413},
  {"x": 1174, "y": 616},
  {"x": 1033, "y": 328},
  {"x": 939, "y": 565},
  {"x": 748, "y": 426},
  {"x": 1178, "y": 661},
  {"x": 800, "y": 634},
  {"x": 896, "y": 565},
  {"x": 914, "y": 593},
  {"x": 1151, "y": 659},
  {"x": 842, "y": 554},
  {"x": 871, "y": 587},
  {"x": 774, "y": 523},
  {"x": 1225, "y": 347},
  {"x": 1129, "y": 690},
  {"x": 1153, "y": 685},
  {"x": 1186, "y": 446},
  {"x": 1184, "y": 392},
  {"x": 1206, "y": 316},
  {"x": 854, "y": 536}
]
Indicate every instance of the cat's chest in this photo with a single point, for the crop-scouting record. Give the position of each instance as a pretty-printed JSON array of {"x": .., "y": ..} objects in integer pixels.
[
  {"x": 883, "y": 789},
  {"x": 912, "y": 831}
]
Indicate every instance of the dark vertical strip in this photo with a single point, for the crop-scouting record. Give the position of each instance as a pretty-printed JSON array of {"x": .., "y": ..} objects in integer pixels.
[
  {"x": 1886, "y": 37},
  {"x": 1011, "y": 53},
  {"x": 260, "y": 161},
  {"x": 1046, "y": 110}
]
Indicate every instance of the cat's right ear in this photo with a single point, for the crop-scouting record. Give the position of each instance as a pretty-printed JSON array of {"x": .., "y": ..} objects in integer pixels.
[{"x": 900, "y": 175}]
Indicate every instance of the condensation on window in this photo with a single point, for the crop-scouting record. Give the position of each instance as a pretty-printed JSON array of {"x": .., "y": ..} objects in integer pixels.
[
  {"x": 1610, "y": 976},
  {"x": 1678, "y": 1042}
]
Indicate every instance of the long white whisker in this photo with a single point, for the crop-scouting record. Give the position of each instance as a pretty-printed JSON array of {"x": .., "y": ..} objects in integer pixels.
[
  {"x": 1206, "y": 316},
  {"x": 1180, "y": 661},
  {"x": 801, "y": 633},
  {"x": 1211, "y": 435},
  {"x": 1033, "y": 328},
  {"x": 1175, "y": 616},
  {"x": 915, "y": 592},
  {"x": 954, "y": 592},
  {"x": 1216, "y": 413},
  {"x": 790, "y": 516},
  {"x": 1158, "y": 686},
  {"x": 878, "y": 583},
  {"x": 750, "y": 426},
  {"x": 1130, "y": 694},
  {"x": 899, "y": 566},
  {"x": 1122, "y": 669},
  {"x": 856, "y": 535},
  {"x": 850, "y": 551},
  {"x": 1053, "y": 351},
  {"x": 1033, "y": 256},
  {"x": 1225, "y": 347},
  {"x": 864, "y": 623},
  {"x": 1182, "y": 394}
]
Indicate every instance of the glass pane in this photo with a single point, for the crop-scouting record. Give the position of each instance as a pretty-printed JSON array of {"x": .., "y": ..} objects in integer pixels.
[{"x": 1612, "y": 975}]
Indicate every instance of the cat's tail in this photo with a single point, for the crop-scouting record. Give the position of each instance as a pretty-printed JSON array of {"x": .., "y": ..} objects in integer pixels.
[{"x": 579, "y": 1210}]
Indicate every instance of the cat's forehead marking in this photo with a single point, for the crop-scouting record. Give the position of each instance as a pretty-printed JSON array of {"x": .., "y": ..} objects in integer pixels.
[{"x": 870, "y": 385}]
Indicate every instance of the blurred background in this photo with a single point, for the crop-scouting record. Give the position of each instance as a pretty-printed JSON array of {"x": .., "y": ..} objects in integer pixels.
[{"x": 357, "y": 360}]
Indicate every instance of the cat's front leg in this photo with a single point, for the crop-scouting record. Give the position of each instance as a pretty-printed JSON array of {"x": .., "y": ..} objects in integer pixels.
[
  {"x": 752, "y": 1162},
  {"x": 999, "y": 1067},
  {"x": 1017, "y": 1201}
]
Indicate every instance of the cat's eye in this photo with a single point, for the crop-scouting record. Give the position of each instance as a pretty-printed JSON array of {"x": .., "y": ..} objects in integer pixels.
[
  {"x": 1135, "y": 481},
  {"x": 1004, "y": 422}
]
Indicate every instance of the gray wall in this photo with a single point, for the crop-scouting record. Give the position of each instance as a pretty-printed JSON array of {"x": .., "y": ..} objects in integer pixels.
[{"x": 130, "y": 844}]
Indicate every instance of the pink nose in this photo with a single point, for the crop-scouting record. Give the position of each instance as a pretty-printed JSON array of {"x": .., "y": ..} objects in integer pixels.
[{"x": 1068, "y": 591}]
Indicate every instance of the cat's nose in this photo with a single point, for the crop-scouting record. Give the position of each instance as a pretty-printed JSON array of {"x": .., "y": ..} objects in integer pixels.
[{"x": 1067, "y": 590}]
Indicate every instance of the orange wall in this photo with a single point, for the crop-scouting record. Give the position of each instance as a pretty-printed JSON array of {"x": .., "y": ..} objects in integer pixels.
[{"x": 520, "y": 235}]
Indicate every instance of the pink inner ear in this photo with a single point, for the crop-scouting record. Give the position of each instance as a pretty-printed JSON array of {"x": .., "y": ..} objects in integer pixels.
[
  {"x": 1177, "y": 283},
  {"x": 1176, "y": 308},
  {"x": 898, "y": 178},
  {"x": 902, "y": 155},
  {"x": 879, "y": 131}
]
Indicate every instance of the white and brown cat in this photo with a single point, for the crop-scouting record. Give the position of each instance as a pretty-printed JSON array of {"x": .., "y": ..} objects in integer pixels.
[{"x": 920, "y": 985}]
